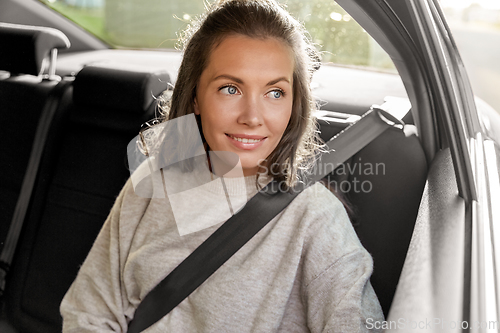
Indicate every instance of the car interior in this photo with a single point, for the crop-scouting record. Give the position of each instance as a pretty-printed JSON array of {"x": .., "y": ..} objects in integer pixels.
[{"x": 68, "y": 119}]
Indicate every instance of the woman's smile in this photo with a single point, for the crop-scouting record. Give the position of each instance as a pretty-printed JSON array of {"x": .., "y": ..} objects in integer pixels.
[{"x": 246, "y": 142}]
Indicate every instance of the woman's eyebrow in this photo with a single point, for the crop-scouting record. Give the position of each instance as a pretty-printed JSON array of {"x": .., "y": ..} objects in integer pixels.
[
  {"x": 237, "y": 80},
  {"x": 230, "y": 77},
  {"x": 272, "y": 82}
]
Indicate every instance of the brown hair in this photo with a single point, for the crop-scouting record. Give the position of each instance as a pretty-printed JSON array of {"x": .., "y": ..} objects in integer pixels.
[{"x": 256, "y": 19}]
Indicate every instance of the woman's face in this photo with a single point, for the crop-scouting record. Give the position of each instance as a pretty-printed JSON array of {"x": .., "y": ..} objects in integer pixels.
[{"x": 244, "y": 97}]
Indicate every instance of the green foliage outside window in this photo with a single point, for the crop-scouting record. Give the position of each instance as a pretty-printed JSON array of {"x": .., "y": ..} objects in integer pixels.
[{"x": 154, "y": 24}]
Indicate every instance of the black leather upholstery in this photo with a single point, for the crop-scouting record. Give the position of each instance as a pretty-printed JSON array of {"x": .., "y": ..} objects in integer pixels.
[
  {"x": 127, "y": 90},
  {"x": 21, "y": 103},
  {"x": 81, "y": 173},
  {"x": 22, "y": 98}
]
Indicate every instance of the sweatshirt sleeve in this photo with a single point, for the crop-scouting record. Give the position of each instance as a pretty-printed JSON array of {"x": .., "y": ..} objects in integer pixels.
[
  {"x": 342, "y": 298},
  {"x": 337, "y": 269},
  {"x": 94, "y": 302}
]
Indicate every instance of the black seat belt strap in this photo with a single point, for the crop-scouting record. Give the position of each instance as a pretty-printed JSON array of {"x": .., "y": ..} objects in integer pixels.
[
  {"x": 48, "y": 112},
  {"x": 352, "y": 139},
  {"x": 242, "y": 226}
]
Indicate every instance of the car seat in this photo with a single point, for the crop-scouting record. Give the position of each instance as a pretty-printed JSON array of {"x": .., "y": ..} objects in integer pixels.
[{"x": 81, "y": 173}]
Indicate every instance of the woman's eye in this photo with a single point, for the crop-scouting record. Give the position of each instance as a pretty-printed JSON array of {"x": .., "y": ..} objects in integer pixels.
[
  {"x": 276, "y": 94},
  {"x": 229, "y": 90}
]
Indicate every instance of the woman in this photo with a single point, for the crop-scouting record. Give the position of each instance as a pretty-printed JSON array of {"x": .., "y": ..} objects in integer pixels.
[{"x": 245, "y": 74}]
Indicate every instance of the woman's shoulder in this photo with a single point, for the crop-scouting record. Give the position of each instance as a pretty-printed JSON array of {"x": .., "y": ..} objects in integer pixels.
[
  {"x": 326, "y": 220},
  {"x": 140, "y": 194},
  {"x": 319, "y": 200}
]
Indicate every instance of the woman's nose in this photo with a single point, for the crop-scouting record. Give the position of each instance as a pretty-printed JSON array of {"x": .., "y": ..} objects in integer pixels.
[{"x": 251, "y": 111}]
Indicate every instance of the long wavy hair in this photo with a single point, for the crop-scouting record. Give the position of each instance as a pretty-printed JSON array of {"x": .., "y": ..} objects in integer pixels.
[{"x": 259, "y": 19}]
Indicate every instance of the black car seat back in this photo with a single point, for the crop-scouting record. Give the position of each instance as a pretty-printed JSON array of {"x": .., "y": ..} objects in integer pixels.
[
  {"x": 81, "y": 173},
  {"x": 25, "y": 53}
]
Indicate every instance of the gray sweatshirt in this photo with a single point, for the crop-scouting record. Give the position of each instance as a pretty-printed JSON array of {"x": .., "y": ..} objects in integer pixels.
[{"x": 305, "y": 271}]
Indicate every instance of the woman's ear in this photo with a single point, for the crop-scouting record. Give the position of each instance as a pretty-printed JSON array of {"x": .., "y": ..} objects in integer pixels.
[{"x": 196, "y": 109}]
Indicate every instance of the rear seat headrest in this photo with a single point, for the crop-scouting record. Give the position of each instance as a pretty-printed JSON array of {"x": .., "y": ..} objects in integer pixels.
[
  {"x": 130, "y": 89},
  {"x": 25, "y": 47}
]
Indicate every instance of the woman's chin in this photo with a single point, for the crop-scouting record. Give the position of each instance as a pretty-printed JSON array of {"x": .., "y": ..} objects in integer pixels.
[{"x": 250, "y": 170}]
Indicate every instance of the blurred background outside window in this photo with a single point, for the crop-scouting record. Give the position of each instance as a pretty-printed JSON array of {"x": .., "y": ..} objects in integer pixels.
[
  {"x": 154, "y": 24},
  {"x": 476, "y": 28}
]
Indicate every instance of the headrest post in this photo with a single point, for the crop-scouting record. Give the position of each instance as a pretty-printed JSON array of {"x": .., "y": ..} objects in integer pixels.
[{"x": 52, "y": 64}]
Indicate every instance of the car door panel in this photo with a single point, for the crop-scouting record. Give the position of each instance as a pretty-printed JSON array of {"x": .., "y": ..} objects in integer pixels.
[{"x": 431, "y": 286}]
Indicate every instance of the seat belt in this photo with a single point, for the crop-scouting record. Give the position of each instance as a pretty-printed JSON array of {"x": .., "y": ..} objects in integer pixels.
[
  {"x": 42, "y": 131},
  {"x": 258, "y": 211}
]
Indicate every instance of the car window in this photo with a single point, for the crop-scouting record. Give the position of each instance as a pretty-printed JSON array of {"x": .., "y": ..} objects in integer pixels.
[
  {"x": 133, "y": 24},
  {"x": 476, "y": 29}
]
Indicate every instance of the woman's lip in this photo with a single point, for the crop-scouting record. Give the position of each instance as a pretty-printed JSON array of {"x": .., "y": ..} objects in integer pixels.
[
  {"x": 245, "y": 136},
  {"x": 248, "y": 145}
]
